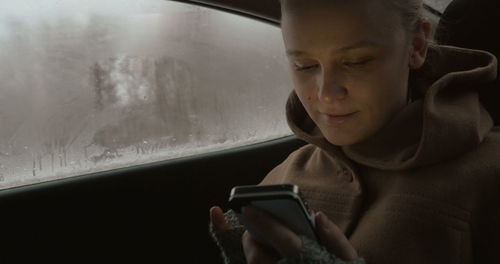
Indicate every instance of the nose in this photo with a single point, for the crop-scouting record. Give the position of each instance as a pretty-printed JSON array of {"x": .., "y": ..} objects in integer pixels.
[{"x": 330, "y": 88}]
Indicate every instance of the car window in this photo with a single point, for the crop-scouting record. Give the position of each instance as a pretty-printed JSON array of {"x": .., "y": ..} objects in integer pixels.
[
  {"x": 95, "y": 85},
  {"x": 438, "y": 5}
]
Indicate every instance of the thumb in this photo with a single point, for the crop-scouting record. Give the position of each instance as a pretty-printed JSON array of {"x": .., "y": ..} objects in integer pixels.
[
  {"x": 333, "y": 239},
  {"x": 218, "y": 219}
]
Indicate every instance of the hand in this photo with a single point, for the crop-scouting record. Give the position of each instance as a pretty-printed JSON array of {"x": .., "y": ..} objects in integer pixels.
[
  {"x": 286, "y": 243},
  {"x": 282, "y": 242},
  {"x": 218, "y": 219},
  {"x": 333, "y": 239}
]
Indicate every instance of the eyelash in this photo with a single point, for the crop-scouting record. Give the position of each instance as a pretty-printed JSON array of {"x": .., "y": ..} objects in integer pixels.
[
  {"x": 359, "y": 63},
  {"x": 348, "y": 64},
  {"x": 305, "y": 68}
]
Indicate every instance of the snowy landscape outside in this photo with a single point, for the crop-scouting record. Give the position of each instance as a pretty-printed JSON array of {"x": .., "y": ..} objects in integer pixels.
[{"x": 88, "y": 86}]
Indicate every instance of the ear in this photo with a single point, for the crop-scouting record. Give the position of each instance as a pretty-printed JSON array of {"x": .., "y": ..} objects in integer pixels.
[{"x": 419, "y": 45}]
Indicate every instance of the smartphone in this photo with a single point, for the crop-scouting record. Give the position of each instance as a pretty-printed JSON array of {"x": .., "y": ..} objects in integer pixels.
[{"x": 282, "y": 201}]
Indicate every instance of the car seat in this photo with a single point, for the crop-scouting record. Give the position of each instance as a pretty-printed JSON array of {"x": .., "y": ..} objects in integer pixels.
[{"x": 474, "y": 24}]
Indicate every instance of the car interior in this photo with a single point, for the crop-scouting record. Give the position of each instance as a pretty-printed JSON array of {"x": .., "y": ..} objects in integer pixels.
[{"x": 159, "y": 212}]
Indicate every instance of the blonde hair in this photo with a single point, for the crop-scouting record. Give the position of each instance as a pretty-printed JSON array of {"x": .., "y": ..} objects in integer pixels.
[{"x": 411, "y": 12}]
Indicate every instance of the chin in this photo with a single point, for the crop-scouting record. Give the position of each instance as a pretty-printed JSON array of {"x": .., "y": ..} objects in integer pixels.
[{"x": 342, "y": 140}]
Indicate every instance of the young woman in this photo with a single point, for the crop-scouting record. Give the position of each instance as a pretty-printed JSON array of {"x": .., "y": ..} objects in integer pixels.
[{"x": 403, "y": 164}]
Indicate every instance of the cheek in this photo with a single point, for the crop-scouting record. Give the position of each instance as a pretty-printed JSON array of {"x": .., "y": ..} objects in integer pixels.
[
  {"x": 379, "y": 91},
  {"x": 384, "y": 97},
  {"x": 305, "y": 89}
]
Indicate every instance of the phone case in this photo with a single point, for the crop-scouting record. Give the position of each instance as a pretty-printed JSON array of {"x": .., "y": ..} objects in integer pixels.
[{"x": 281, "y": 201}]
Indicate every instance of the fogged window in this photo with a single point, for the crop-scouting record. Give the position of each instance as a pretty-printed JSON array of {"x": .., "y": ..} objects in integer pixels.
[
  {"x": 431, "y": 15},
  {"x": 439, "y": 5},
  {"x": 95, "y": 85}
]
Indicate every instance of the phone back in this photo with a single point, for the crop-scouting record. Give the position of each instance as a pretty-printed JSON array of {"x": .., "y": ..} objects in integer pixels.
[{"x": 283, "y": 203}]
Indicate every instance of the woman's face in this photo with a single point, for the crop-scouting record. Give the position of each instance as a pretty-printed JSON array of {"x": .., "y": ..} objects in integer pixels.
[{"x": 350, "y": 64}]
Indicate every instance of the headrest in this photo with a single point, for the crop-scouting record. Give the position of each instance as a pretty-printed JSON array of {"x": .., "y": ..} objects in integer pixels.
[
  {"x": 471, "y": 24},
  {"x": 474, "y": 24}
]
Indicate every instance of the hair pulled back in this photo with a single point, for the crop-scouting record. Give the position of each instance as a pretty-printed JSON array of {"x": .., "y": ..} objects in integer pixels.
[{"x": 411, "y": 11}]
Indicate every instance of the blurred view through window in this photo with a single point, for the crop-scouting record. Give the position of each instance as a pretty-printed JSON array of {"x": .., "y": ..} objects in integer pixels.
[
  {"x": 94, "y": 85},
  {"x": 438, "y": 5}
]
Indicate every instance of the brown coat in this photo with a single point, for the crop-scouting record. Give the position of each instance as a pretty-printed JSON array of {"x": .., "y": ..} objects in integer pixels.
[{"x": 425, "y": 189}]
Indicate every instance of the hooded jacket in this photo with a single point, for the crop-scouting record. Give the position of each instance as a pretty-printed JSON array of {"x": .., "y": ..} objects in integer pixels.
[{"x": 426, "y": 187}]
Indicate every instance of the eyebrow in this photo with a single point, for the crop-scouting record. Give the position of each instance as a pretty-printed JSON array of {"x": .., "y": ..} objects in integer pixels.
[{"x": 357, "y": 45}]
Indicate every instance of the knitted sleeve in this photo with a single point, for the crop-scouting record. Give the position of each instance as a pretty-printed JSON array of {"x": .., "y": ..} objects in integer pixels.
[{"x": 229, "y": 243}]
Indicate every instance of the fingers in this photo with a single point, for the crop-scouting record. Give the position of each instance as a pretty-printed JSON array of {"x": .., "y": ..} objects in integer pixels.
[
  {"x": 256, "y": 253},
  {"x": 218, "y": 219},
  {"x": 280, "y": 237},
  {"x": 333, "y": 239}
]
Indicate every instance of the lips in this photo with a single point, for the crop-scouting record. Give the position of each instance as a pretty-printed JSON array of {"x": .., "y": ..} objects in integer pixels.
[
  {"x": 337, "y": 118},
  {"x": 339, "y": 115}
]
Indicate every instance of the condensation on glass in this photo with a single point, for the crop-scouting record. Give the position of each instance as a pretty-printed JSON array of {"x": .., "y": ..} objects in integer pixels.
[
  {"x": 88, "y": 86},
  {"x": 439, "y": 5}
]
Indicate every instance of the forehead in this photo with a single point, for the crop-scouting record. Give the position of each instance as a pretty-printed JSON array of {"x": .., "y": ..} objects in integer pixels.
[{"x": 319, "y": 21}]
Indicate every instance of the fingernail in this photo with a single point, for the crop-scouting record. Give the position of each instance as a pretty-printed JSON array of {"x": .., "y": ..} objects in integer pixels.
[{"x": 321, "y": 220}]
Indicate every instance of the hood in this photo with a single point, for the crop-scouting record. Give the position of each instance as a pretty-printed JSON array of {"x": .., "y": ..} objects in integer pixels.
[{"x": 445, "y": 121}]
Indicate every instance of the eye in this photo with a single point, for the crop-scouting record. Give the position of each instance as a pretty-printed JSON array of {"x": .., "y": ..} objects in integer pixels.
[
  {"x": 358, "y": 63},
  {"x": 299, "y": 67}
]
